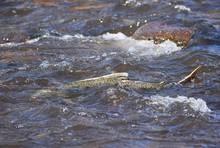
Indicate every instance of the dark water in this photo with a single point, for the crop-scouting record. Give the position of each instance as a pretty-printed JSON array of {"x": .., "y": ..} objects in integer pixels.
[{"x": 45, "y": 44}]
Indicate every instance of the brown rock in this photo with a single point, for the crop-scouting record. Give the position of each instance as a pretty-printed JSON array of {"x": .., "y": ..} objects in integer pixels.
[
  {"x": 46, "y": 2},
  {"x": 159, "y": 32}
]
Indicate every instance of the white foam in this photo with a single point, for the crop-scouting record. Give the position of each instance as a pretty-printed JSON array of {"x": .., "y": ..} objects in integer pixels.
[
  {"x": 141, "y": 47},
  {"x": 60, "y": 65},
  {"x": 182, "y": 8},
  {"x": 31, "y": 41},
  {"x": 63, "y": 64},
  {"x": 44, "y": 65},
  {"x": 65, "y": 37},
  {"x": 10, "y": 44},
  {"x": 117, "y": 36},
  {"x": 138, "y": 3},
  {"x": 15, "y": 44},
  {"x": 198, "y": 105},
  {"x": 79, "y": 36},
  {"x": 132, "y": 2}
]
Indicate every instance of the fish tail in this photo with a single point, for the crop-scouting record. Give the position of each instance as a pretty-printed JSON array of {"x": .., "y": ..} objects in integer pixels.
[{"x": 190, "y": 76}]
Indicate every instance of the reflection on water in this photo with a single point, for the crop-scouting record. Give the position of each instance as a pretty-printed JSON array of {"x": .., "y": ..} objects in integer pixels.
[{"x": 45, "y": 44}]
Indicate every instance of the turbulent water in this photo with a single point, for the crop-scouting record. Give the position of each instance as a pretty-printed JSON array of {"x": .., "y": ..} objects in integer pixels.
[{"x": 45, "y": 44}]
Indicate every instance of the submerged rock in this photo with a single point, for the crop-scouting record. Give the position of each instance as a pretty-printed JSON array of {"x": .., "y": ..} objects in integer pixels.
[
  {"x": 159, "y": 32},
  {"x": 12, "y": 36}
]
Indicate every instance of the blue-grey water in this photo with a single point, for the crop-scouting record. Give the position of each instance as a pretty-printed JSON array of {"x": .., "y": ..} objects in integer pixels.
[{"x": 45, "y": 44}]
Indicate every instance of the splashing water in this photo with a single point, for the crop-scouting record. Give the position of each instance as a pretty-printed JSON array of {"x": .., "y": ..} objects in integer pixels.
[
  {"x": 141, "y": 47},
  {"x": 197, "y": 105}
]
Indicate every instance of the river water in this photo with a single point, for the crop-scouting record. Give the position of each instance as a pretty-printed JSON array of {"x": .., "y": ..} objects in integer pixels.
[{"x": 45, "y": 44}]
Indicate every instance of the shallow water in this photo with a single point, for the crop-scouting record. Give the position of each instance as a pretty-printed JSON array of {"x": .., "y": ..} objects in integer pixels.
[{"x": 45, "y": 44}]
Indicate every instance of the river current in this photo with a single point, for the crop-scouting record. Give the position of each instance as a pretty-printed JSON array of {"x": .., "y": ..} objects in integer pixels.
[{"x": 45, "y": 44}]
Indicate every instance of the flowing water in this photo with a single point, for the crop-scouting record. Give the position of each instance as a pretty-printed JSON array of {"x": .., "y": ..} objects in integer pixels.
[{"x": 45, "y": 44}]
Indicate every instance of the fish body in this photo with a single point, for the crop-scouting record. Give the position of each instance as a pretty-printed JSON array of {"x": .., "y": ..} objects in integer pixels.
[
  {"x": 111, "y": 79},
  {"x": 141, "y": 84},
  {"x": 121, "y": 79}
]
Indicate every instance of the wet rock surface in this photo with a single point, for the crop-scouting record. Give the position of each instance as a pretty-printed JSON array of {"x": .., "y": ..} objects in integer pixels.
[{"x": 159, "y": 32}]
